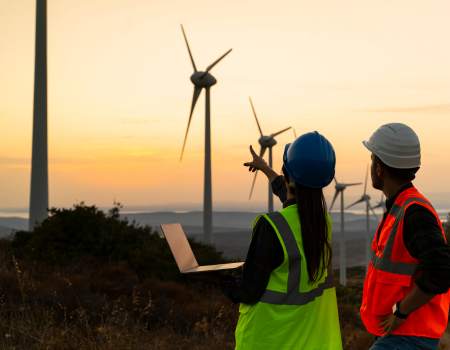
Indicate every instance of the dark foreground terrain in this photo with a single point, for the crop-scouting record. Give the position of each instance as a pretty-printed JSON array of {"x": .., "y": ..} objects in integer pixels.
[{"x": 87, "y": 280}]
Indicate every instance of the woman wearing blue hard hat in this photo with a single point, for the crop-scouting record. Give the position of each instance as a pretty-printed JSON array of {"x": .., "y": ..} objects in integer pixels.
[{"x": 286, "y": 295}]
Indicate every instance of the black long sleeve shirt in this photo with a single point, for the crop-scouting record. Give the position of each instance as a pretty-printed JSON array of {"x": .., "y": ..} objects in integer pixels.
[{"x": 422, "y": 237}]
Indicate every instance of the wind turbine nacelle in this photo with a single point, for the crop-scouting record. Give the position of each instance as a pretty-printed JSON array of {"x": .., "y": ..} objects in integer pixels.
[
  {"x": 267, "y": 141},
  {"x": 340, "y": 187},
  {"x": 203, "y": 80}
]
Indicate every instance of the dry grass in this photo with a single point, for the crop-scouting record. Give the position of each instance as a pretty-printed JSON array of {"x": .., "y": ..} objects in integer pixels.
[
  {"x": 98, "y": 306},
  {"x": 95, "y": 306}
]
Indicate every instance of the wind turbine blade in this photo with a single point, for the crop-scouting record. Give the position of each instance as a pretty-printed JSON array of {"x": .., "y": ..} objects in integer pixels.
[
  {"x": 217, "y": 61},
  {"x": 335, "y": 181},
  {"x": 357, "y": 202},
  {"x": 189, "y": 49},
  {"x": 256, "y": 118},
  {"x": 373, "y": 211},
  {"x": 280, "y": 132},
  {"x": 295, "y": 134},
  {"x": 381, "y": 203},
  {"x": 353, "y": 184},
  {"x": 253, "y": 185},
  {"x": 197, "y": 91},
  {"x": 334, "y": 199},
  {"x": 365, "y": 183}
]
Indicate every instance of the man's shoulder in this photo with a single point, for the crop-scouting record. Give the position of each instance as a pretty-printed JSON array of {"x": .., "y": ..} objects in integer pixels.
[{"x": 418, "y": 209}]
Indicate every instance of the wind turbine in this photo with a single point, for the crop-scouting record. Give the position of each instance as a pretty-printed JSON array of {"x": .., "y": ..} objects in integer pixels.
[
  {"x": 265, "y": 142},
  {"x": 365, "y": 198},
  {"x": 339, "y": 190},
  {"x": 39, "y": 159},
  {"x": 381, "y": 203},
  {"x": 203, "y": 80}
]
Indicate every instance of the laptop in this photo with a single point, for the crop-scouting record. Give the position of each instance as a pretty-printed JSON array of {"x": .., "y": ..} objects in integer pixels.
[{"x": 183, "y": 254}]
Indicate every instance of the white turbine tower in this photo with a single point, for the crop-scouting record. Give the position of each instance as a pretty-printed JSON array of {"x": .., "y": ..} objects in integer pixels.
[
  {"x": 39, "y": 162},
  {"x": 339, "y": 190},
  {"x": 203, "y": 80},
  {"x": 365, "y": 198},
  {"x": 265, "y": 142}
]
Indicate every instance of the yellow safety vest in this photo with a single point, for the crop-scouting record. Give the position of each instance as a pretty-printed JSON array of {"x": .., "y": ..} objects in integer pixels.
[{"x": 292, "y": 313}]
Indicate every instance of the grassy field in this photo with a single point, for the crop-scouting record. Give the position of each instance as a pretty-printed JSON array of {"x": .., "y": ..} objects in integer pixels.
[
  {"x": 91, "y": 305},
  {"x": 85, "y": 280}
]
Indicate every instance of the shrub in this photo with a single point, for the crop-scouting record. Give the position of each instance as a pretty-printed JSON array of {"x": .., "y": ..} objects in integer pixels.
[{"x": 70, "y": 235}]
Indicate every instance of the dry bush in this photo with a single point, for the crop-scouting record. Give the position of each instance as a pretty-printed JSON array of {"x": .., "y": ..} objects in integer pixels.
[
  {"x": 105, "y": 306},
  {"x": 98, "y": 306}
]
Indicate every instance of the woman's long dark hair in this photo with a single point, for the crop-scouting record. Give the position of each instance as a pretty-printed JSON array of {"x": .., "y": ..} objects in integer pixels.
[{"x": 312, "y": 210}]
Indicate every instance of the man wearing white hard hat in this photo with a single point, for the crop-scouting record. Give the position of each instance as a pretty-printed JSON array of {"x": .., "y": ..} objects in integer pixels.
[{"x": 406, "y": 295}]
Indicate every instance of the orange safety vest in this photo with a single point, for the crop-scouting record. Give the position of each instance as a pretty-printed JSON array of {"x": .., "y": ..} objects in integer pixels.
[{"x": 391, "y": 274}]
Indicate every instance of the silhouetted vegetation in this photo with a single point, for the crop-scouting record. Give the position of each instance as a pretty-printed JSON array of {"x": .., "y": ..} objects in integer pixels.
[
  {"x": 82, "y": 232},
  {"x": 92, "y": 305}
]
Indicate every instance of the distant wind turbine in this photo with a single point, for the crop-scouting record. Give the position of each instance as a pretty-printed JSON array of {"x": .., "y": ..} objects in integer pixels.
[
  {"x": 339, "y": 190},
  {"x": 381, "y": 204},
  {"x": 365, "y": 198},
  {"x": 39, "y": 159},
  {"x": 265, "y": 142},
  {"x": 203, "y": 80}
]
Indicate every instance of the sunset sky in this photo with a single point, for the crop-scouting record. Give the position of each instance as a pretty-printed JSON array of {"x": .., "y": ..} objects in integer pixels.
[{"x": 119, "y": 92}]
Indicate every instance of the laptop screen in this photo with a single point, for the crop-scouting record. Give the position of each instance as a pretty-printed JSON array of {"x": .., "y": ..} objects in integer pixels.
[{"x": 179, "y": 245}]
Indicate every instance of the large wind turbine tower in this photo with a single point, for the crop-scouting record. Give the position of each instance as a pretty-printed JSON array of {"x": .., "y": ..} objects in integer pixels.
[
  {"x": 203, "y": 80},
  {"x": 39, "y": 162}
]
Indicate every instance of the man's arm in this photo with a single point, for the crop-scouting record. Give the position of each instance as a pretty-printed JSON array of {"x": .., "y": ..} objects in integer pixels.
[
  {"x": 415, "y": 299},
  {"x": 424, "y": 241},
  {"x": 412, "y": 301}
]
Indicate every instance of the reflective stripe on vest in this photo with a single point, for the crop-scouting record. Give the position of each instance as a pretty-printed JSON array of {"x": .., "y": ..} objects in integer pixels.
[
  {"x": 384, "y": 263},
  {"x": 293, "y": 296}
]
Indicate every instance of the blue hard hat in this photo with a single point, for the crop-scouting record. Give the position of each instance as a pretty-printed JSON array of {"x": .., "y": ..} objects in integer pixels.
[{"x": 310, "y": 160}]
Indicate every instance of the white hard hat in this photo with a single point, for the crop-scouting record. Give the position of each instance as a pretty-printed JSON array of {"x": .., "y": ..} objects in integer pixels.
[{"x": 396, "y": 144}]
